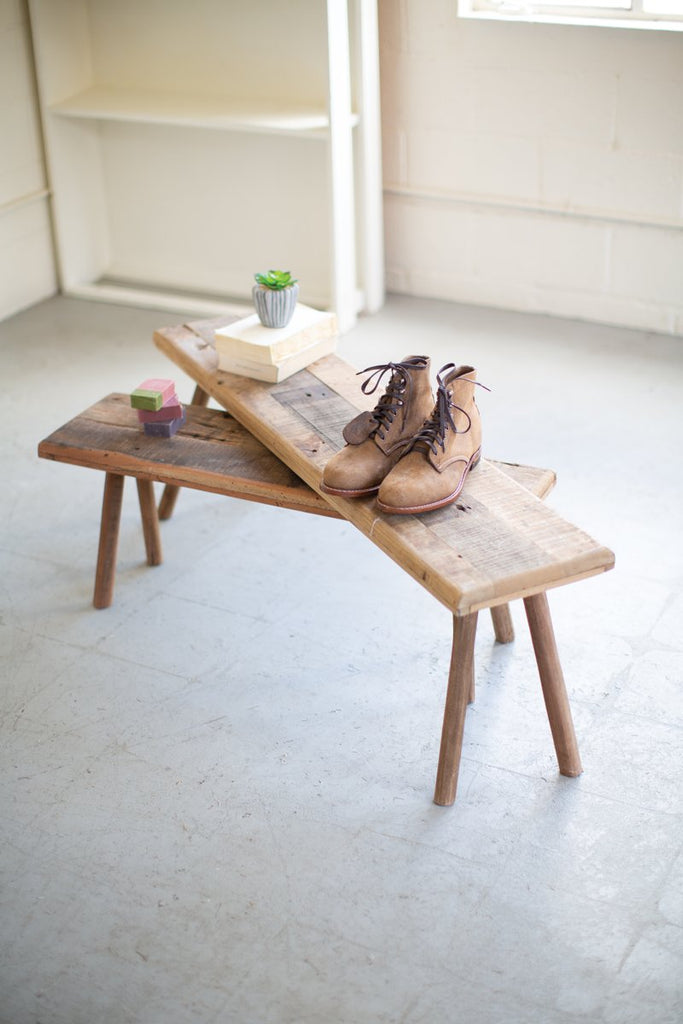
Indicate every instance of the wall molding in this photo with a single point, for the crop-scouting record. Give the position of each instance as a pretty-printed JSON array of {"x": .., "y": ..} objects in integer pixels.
[
  {"x": 529, "y": 207},
  {"x": 30, "y": 197}
]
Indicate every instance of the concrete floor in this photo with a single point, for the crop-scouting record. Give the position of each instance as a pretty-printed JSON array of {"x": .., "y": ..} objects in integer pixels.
[{"x": 216, "y": 796}]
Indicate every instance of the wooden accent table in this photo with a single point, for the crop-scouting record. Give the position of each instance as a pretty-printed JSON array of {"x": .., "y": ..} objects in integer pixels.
[
  {"x": 211, "y": 452},
  {"x": 497, "y": 543}
]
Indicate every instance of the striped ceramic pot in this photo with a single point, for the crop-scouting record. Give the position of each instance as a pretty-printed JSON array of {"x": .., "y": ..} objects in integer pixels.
[{"x": 275, "y": 307}]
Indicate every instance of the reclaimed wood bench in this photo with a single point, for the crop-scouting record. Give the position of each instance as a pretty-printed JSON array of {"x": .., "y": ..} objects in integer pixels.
[
  {"x": 211, "y": 452},
  {"x": 499, "y": 541}
]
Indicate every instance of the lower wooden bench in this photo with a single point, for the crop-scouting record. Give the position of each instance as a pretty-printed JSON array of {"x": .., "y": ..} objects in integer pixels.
[{"x": 213, "y": 452}]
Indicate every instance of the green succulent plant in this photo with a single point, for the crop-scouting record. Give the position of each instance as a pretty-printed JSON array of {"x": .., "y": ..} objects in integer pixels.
[{"x": 276, "y": 280}]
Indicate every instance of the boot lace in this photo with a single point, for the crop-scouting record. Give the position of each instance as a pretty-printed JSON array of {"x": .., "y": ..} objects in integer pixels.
[
  {"x": 394, "y": 397},
  {"x": 433, "y": 432}
]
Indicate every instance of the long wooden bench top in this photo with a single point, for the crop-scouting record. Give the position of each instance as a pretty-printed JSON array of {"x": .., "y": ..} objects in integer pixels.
[
  {"x": 211, "y": 452},
  {"x": 497, "y": 543}
]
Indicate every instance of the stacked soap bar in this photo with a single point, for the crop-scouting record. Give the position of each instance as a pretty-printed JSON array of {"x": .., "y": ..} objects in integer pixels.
[{"x": 158, "y": 408}]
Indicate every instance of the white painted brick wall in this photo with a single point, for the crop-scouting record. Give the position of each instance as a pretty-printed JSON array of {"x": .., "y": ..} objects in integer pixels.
[
  {"x": 533, "y": 167},
  {"x": 27, "y": 271}
]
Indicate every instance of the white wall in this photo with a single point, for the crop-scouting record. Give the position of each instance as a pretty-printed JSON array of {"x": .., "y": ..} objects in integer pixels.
[
  {"x": 27, "y": 270},
  {"x": 529, "y": 167},
  {"x": 533, "y": 167}
]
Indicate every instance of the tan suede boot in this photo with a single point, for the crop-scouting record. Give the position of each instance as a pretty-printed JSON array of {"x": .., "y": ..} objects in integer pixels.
[
  {"x": 376, "y": 440},
  {"x": 433, "y": 471}
]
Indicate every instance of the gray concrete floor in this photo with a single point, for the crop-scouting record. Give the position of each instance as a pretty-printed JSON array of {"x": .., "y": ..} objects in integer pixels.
[{"x": 216, "y": 795}]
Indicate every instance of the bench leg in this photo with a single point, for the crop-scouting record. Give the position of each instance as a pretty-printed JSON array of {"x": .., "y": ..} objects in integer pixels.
[
  {"x": 552, "y": 683},
  {"x": 459, "y": 692},
  {"x": 171, "y": 491},
  {"x": 150, "y": 521},
  {"x": 109, "y": 539},
  {"x": 502, "y": 624}
]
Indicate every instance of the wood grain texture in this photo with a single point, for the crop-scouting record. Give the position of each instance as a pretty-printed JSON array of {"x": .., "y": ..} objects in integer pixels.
[
  {"x": 460, "y": 683},
  {"x": 212, "y": 452},
  {"x": 150, "y": 521},
  {"x": 552, "y": 684},
  {"x": 499, "y": 542},
  {"x": 502, "y": 624},
  {"x": 170, "y": 493},
  {"x": 109, "y": 540}
]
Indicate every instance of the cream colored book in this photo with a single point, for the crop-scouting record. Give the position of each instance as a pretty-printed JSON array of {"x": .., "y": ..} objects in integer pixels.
[
  {"x": 249, "y": 340},
  {"x": 273, "y": 373}
]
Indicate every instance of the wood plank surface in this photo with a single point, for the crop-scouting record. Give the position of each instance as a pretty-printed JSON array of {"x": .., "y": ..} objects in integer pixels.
[
  {"x": 211, "y": 452},
  {"x": 497, "y": 543}
]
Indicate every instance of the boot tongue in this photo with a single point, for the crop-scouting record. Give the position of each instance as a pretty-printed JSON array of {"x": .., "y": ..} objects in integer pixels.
[
  {"x": 459, "y": 371},
  {"x": 359, "y": 428}
]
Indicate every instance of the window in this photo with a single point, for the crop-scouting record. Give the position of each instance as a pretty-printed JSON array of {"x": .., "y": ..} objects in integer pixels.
[{"x": 643, "y": 14}]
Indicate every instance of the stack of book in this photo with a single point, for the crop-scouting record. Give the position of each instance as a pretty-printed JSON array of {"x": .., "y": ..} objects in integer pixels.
[
  {"x": 158, "y": 408},
  {"x": 274, "y": 353}
]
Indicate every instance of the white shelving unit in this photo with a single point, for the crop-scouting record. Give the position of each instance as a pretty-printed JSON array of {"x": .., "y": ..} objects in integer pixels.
[{"x": 190, "y": 145}]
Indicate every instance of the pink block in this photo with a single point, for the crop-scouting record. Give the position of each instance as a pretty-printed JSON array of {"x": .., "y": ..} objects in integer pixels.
[
  {"x": 162, "y": 384},
  {"x": 170, "y": 410}
]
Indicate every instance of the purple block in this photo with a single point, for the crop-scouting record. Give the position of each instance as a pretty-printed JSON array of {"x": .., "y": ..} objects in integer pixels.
[{"x": 165, "y": 428}]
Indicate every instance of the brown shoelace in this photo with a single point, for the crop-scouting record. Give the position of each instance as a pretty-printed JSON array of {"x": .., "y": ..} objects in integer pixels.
[
  {"x": 395, "y": 395},
  {"x": 434, "y": 430}
]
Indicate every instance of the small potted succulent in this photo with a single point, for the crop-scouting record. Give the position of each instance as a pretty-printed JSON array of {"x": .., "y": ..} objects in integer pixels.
[{"x": 275, "y": 295}]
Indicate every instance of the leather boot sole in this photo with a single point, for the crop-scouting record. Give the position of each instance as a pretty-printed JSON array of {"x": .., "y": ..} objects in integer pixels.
[
  {"x": 411, "y": 510},
  {"x": 361, "y": 493}
]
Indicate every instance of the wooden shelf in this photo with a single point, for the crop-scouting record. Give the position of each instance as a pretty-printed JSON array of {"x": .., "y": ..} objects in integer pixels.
[
  {"x": 176, "y": 141},
  {"x": 219, "y": 113}
]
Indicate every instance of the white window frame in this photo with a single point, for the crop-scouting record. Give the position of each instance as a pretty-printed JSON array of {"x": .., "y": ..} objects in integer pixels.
[{"x": 662, "y": 15}]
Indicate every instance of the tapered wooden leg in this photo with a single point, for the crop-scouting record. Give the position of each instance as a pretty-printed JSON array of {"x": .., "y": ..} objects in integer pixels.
[
  {"x": 502, "y": 624},
  {"x": 170, "y": 493},
  {"x": 150, "y": 521},
  {"x": 109, "y": 540},
  {"x": 552, "y": 682},
  {"x": 472, "y": 690},
  {"x": 459, "y": 691},
  {"x": 168, "y": 499}
]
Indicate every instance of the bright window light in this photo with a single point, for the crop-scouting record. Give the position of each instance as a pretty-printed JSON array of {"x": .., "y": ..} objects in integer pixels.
[{"x": 665, "y": 15}]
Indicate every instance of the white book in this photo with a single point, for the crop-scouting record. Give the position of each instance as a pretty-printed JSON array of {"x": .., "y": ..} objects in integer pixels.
[
  {"x": 273, "y": 373},
  {"x": 248, "y": 339}
]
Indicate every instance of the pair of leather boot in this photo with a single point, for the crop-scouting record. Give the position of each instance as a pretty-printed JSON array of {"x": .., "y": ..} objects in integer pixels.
[{"x": 412, "y": 451}]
